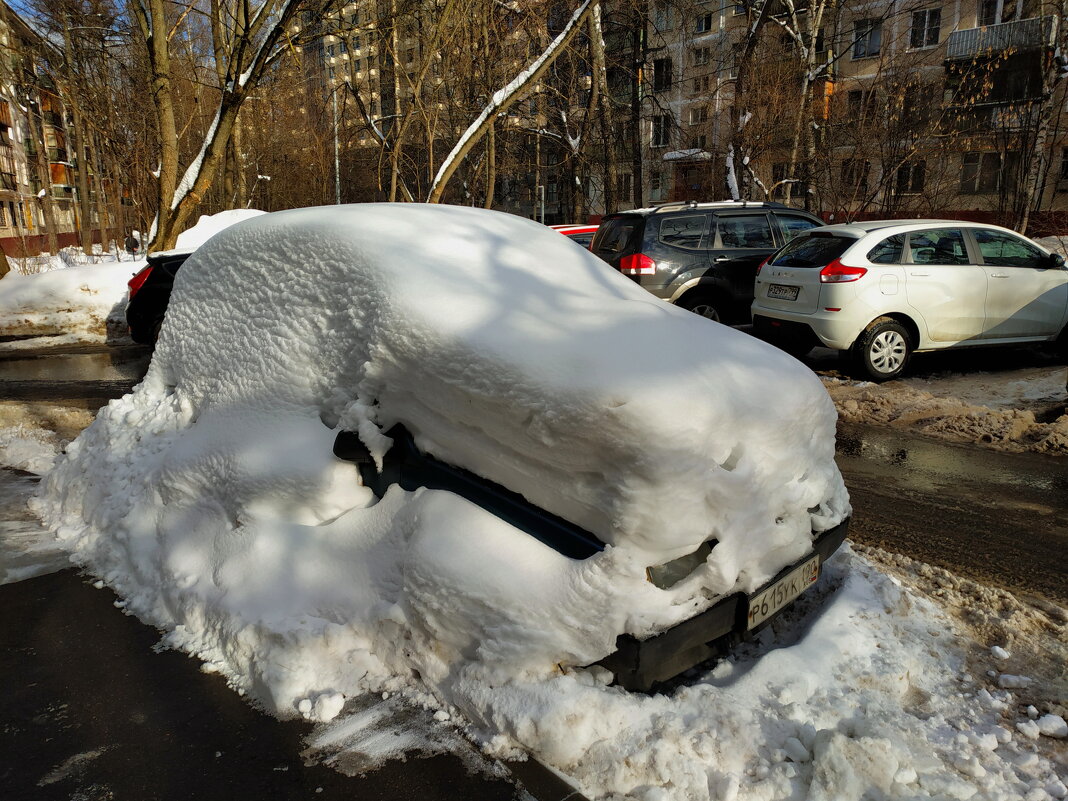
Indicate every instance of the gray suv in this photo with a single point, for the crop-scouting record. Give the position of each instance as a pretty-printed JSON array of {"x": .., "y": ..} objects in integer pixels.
[{"x": 700, "y": 256}]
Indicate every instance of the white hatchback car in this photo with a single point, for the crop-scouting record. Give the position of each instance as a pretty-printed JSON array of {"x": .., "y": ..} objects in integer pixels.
[{"x": 882, "y": 290}]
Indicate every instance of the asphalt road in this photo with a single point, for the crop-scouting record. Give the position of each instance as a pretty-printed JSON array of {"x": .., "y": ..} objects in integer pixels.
[{"x": 998, "y": 518}]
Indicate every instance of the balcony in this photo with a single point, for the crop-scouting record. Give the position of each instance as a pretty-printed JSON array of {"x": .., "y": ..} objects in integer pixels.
[
  {"x": 8, "y": 182},
  {"x": 57, "y": 155},
  {"x": 989, "y": 40}
]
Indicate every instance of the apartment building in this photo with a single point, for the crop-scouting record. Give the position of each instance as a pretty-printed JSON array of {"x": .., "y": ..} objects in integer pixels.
[
  {"x": 861, "y": 109},
  {"x": 36, "y": 165}
]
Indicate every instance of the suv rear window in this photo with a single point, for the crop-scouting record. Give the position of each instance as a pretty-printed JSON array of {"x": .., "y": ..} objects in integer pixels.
[
  {"x": 613, "y": 235},
  {"x": 812, "y": 251},
  {"x": 689, "y": 232}
]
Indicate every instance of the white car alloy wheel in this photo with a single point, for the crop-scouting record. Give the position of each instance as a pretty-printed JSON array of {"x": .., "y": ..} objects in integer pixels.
[
  {"x": 887, "y": 351},
  {"x": 882, "y": 351}
]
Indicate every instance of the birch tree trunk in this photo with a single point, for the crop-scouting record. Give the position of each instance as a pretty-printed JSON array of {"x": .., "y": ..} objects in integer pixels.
[
  {"x": 738, "y": 165},
  {"x": 1051, "y": 76},
  {"x": 503, "y": 99}
]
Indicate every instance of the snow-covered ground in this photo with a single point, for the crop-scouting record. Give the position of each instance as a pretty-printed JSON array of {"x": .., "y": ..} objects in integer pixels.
[{"x": 209, "y": 500}]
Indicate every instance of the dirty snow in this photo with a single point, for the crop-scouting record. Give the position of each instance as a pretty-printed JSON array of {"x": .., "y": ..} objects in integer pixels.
[
  {"x": 209, "y": 500},
  {"x": 1028, "y": 412}
]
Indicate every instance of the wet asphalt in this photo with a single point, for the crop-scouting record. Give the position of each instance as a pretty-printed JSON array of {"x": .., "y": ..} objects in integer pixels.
[{"x": 91, "y": 710}]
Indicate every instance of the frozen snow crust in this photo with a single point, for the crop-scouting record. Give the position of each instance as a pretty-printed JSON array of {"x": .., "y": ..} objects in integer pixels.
[{"x": 209, "y": 497}]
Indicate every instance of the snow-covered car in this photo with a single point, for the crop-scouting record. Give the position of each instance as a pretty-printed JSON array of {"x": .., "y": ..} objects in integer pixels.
[
  {"x": 149, "y": 291},
  {"x": 544, "y": 477},
  {"x": 885, "y": 289}
]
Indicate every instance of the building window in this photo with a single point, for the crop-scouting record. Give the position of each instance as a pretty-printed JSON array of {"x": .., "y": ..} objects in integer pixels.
[
  {"x": 859, "y": 103},
  {"x": 663, "y": 17},
  {"x": 986, "y": 173},
  {"x": 867, "y": 38},
  {"x": 926, "y": 25},
  {"x": 821, "y": 42},
  {"x": 701, "y": 56},
  {"x": 661, "y": 130},
  {"x": 698, "y": 115},
  {"x": 739, "y": 9},
  {"x": 699, "y": 142},
  {"x": 625, "y": 185},
  {"x": 704, "y": 24},
  {"x": 661, "y": 74},
  {"x": 994, "y": 12},
  {"x": 855, "y": 173},
  {"x": 1064, "y": 164},
  {"x": 702, "y": 84},
  {"x": 911, "y": 177}
]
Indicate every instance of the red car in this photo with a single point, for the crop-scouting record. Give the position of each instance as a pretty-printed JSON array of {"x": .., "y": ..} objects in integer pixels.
[{"x": 576, "y": 232}]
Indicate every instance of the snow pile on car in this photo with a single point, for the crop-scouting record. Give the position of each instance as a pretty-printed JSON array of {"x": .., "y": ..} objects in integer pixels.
[
  {"x": 210, "y": 499},
  {"x": 208, "y": 225}
]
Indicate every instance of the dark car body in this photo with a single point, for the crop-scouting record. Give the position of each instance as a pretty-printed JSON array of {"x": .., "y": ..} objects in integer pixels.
[
  {"x": 700, "y": 256},
  {"x": 150, "y": 293}
]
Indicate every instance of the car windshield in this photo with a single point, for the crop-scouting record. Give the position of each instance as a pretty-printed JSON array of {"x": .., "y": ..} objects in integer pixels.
[{"x": 814, "y": 250}]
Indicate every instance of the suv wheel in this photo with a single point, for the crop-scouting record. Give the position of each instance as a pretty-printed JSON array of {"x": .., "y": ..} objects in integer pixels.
[
  {"x": 882, "y": 351},
  {"x": 704, "y": 304}
]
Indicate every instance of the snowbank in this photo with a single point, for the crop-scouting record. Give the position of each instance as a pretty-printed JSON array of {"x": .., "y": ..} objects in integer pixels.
[
  {"x": 75, "y": 302},
  {"x": 868, "y": 689},
  {"x": 975, "y": 408},
  {"x": 210, "y": 499}
]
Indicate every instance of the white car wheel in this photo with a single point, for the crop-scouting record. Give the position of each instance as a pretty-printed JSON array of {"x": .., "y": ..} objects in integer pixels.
[{"x": 883, "y": 350}]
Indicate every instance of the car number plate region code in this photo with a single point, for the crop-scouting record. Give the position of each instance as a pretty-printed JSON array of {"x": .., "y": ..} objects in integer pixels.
[
  {"x": 766, "y": 603},
  {"x": 782, "y": 292}
]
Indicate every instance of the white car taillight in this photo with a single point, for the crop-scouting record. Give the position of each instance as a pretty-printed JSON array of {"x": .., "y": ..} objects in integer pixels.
[{"x": 838, "y": 273}]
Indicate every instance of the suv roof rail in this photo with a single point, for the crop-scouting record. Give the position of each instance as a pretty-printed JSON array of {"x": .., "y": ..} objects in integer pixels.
[{"x": 679, "y": 205}]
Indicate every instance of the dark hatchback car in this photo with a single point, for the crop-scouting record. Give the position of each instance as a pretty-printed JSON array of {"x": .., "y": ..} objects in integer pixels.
[
  {"x": 700, "y": 256},
  {"x": 150, "y": 293}
]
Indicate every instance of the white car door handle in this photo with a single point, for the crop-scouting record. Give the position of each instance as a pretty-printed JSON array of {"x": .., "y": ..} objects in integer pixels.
[
  {"x": 914, "y": 272},
  {"x": 999, "y": 275}
]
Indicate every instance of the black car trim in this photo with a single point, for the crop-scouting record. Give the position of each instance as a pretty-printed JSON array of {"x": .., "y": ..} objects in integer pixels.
[{"x": 410, "y": 468}]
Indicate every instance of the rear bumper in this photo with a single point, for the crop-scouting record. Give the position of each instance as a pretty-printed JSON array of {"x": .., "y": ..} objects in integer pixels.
[
  {"x": 826, "y": 328},
  {"x": 639, "y": 664}
]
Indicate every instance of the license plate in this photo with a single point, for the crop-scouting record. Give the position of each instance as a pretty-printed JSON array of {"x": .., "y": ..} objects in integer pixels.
[
  {"x": 765, "y": 604},
  {"x": 781, "y": 292}
]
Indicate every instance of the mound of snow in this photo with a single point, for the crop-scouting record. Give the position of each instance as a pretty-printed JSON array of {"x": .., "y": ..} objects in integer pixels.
[
  {"x": 209, "y": 225},
  {"x": 210, "y": 499},
  {"x": 75, "y": 302}
]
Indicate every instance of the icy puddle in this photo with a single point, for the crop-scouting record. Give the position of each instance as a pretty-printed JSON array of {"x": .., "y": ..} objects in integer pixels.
[{"x": 26, "y": 549}]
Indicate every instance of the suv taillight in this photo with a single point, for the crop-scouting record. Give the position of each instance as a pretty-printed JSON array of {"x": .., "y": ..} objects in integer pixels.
[
  {"x": 838, "y": 273},
  {"x": 637, "y": 264},
  {"x": 763, "y": 264},
  {"x": 138, "y": 280}
]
